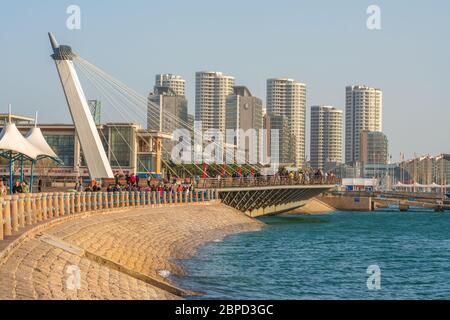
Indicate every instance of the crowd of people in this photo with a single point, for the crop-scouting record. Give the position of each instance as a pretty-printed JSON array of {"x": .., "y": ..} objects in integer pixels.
[
  {"x": 308, "y": 176},
  {"x": 19, "y": 186},
  {"x": 175, "y": 184},
  {"x": 132, "y": 183},
  {"x": 283, "y": 176}
]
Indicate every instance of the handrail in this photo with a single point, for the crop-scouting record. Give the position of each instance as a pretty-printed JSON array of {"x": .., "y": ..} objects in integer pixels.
[
  {"x": 217, "y": 183},
  {"x": 27, "y": 209}
]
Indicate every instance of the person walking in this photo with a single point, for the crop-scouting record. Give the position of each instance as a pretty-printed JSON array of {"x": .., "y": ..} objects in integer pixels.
[
  {"x": 25, "y": 187},
  {"x": 17, "y": 188},
  {"x": 132, "y": 180},
  {"x": 3, "y": 189},
  {"x": 40, "y": 185}
]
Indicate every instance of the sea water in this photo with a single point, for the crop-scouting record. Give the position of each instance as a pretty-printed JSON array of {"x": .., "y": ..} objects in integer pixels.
[{"x": 329, "y": 256}]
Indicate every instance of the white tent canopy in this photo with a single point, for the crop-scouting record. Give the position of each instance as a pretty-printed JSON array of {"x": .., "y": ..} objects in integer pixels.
[
  {"x": 36, "y": 138},
  {"x": 12, "y": 140}
]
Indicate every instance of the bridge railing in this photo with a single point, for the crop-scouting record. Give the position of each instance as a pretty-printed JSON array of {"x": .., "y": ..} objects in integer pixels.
[
  {"x": 20, "y": 211},
  {"x": 390, "y": 194},
  {"x": 236, "y": 182}
]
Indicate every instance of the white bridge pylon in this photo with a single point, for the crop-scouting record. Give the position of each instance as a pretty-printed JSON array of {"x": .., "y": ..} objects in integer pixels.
[{"x": 94, "y": 153}]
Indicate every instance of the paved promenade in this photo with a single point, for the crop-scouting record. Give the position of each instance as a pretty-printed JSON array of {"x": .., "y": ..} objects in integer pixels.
[{"x": 119, "y": 255}]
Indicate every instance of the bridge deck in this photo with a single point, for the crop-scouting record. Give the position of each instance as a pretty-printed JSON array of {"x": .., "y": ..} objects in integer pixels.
[{"x": 266, "y": 200}]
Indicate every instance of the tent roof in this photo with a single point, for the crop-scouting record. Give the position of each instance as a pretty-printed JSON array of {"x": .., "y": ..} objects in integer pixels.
[
  {"x": 12, "y": 140},
  {"x": 36, "y": 138}
]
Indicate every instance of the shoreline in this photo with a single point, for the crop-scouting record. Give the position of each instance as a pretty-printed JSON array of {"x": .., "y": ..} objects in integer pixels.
[{"x": 118, "y": 255}]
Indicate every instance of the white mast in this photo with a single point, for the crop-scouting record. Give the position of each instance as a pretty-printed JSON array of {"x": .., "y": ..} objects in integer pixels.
[{"x": 94, "y": 153}]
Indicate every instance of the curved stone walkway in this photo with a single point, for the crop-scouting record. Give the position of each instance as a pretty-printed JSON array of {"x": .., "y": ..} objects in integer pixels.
[{"x": 128, "y": 248}]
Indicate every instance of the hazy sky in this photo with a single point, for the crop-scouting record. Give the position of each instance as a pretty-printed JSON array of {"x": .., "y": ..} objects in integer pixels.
[{"x": 324, "y": 44}]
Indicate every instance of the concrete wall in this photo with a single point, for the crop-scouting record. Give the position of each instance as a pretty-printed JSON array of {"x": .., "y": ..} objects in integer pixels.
[
  {"x": 348, "y": 203},
  {"x": 314, "y": 206},
  {"x": 272, "y": 210}
]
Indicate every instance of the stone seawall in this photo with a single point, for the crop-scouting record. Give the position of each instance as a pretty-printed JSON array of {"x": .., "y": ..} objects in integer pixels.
[{"x": 118, "y": 255}]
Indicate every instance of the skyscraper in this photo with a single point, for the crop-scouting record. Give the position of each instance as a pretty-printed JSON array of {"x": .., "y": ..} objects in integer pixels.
[
  {"x": 211, "y": 91},
  {"x": 175, "y": 82},
  {"x": 326, "y": 136},
  {"x": 363, "y": 111},
  {"x": 287, "y": 97},
  {"x": 243, "y": 111}
]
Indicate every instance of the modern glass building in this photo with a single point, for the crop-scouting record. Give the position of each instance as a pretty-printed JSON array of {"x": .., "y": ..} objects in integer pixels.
[
  {"x": 63, "y": 145},
  {"x": 95, "y": 106},
  {"x": 121, "y": 145},
  {"x": 130, "y": 149}
]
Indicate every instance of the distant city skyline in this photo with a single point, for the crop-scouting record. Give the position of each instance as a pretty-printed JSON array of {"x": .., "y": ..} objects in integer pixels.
[{"x": 324, "y": 44}]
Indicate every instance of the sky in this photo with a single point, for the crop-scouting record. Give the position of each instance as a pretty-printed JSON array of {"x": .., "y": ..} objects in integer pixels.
[{"x": 324, "y": 44}]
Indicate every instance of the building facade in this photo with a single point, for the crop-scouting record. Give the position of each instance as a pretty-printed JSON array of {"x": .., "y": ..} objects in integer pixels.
[
  {"x": 363, "y": 111},
  {"x": 244, "y": 112},
  {"x": 374, "y": 147},
  {"x": 130, "y": 149},
  {"x": 166, "y": 112},
  {"x": 95, "y": 106},
  {"x": 175, "y": 82},
  {"x": 283, "y": 145},
  {"x": 211, "y": 91},
  {"x": 287, "y": 98},
  {"x": 441, "y": 169},
  {"x": 326, "y": 136},
  {"x": 426, "y": 170}
]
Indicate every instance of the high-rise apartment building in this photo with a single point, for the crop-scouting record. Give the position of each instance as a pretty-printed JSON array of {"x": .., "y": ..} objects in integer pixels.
[
  {"x": 211, "y": 91},
  {"x": 287, "y": 98},
  {"x": 175, "y": 82},
  {"x": 326, "y": 136},
  {"x": 363, "y": 111}
]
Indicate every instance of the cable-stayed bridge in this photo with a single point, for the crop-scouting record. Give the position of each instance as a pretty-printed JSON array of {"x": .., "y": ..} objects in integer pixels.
[{"x": 255, "y": 196}]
